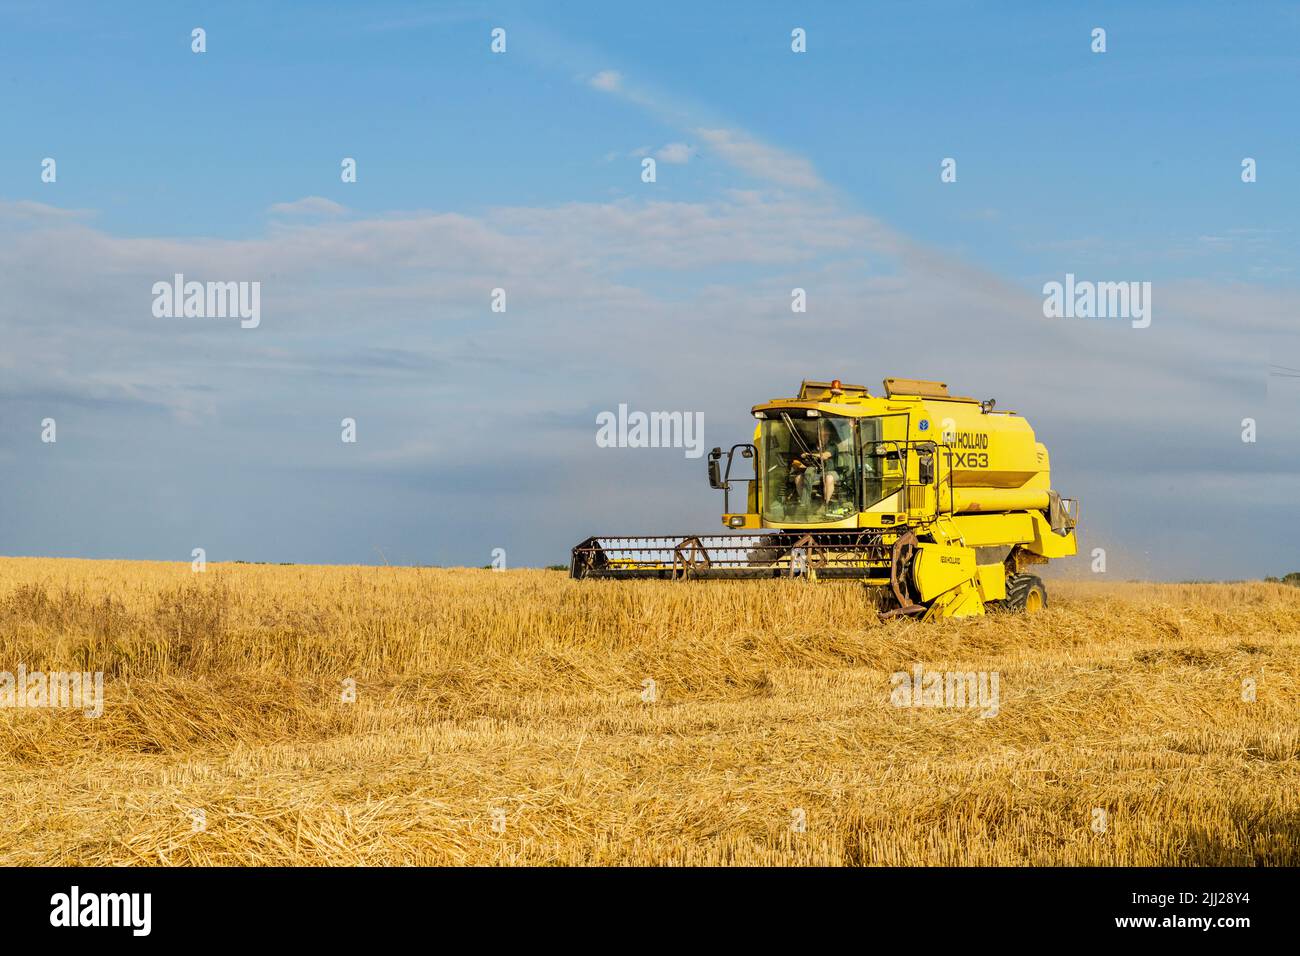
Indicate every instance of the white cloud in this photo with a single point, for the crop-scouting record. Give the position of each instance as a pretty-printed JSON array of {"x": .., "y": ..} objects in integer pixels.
[
  {"x": 309, "y": 206},
  {"x": 760, "y": 160},
  {"x": 675, "y": 153},
  {"x": 733, "y": 146},
  {"x": 607, "y": 81},
  {"x": 30, "y": 211},
  {"x": 384, "y": 318}
]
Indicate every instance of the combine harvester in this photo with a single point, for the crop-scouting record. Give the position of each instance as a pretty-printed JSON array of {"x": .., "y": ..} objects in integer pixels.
[{"x": 939, "y": 504}]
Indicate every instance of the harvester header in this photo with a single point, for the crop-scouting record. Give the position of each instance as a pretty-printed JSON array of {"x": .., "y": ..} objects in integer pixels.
[{"x": 938, "y": 501}]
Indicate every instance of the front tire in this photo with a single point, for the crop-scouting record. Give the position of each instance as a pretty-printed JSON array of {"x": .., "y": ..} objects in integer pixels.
[{"x": 1026, "y": 594}]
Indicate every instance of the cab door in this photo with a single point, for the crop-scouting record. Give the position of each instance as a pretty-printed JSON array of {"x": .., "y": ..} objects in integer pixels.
[{"x": 883, "y": 445}]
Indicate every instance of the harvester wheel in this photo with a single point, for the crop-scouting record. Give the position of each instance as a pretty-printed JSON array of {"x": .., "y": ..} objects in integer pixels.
[
  {"x": 900, "y": 577},
  {"x": 1025, "y": 594}
]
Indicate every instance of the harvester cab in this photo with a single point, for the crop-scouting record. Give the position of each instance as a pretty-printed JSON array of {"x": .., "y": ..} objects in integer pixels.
[{"x": 938, "y": 503}]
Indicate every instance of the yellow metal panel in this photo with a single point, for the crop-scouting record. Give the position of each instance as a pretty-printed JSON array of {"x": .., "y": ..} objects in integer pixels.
[
  {"x": 992, "y": 582},
  {"x": 967, "y": 500},
  {"x": 967, "y": 603},
  {"x": 915, "y": 386},
  {"x": 942, "y": 567},
  {"x": 1050, "y": 544},
  {"x": 962, "y": 601},
  {"x": 978, "y": 531},
  {"x": 988, "y": 450}
]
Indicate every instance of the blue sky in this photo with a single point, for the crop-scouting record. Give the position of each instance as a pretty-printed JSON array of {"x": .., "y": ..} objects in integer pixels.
[
  {"x": 475, "y": 170},
  {"x": 1049, "y": 135}
]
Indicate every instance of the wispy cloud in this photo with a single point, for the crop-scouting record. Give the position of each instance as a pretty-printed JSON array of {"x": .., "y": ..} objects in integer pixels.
[
  {"x": 308, "y": 206},
  {"x": 29, "y": 211},
  {"x": 607, "y": 81},
  {"x": 735, "y": 147},
  {"x": 675, "y": 153},
  {"x": 761, "y": 160}
]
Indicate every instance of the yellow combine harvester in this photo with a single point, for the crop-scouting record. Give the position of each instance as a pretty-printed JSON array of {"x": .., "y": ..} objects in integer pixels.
[{"x": 938, "y": 502}]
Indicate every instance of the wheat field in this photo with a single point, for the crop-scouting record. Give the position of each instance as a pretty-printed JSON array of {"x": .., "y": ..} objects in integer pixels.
[{"x": 503, "y": 718}]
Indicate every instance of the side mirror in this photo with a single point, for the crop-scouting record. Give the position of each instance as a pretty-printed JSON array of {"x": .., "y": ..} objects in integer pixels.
[
  {"x": 925, "y": 468},
  {"x": 715, "y": 469}
]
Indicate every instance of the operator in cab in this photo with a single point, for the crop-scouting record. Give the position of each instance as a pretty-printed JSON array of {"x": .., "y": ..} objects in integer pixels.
[{"x": 822, "y": 467}]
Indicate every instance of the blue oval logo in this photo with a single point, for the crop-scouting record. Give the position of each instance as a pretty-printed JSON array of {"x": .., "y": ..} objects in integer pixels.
[{"x": 925, "y": 425}]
